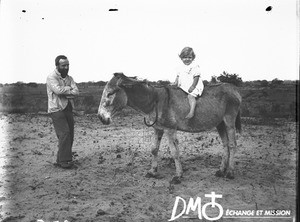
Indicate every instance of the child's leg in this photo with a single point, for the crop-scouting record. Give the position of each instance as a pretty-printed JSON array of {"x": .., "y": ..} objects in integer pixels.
[{"x": 192, "y": 102}]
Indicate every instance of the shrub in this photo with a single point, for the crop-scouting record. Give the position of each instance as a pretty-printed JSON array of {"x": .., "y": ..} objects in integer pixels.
[
  {"x": 264, "y": 83},
  {"x": 230, "y": 78},
  {"x": 32, "y": 84},
  {"x": 213, "y": 80},
  {"x": 276, "y": 82}
]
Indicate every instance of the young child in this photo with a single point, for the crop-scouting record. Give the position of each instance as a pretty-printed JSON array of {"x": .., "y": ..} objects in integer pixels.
[{"x": 189, "y": 78}]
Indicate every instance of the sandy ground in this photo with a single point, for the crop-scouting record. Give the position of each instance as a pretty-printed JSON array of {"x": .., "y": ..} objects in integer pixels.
[{"x": 110, "y": 184}]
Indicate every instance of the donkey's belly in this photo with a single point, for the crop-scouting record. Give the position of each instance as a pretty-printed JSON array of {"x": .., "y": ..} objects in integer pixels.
[{"x": 198, "y": 123}]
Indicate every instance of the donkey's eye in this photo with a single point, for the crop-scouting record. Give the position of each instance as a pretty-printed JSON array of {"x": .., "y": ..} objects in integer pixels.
[
  {"x": 110, "y": 93},
  {"x": 107, "y": 103}
]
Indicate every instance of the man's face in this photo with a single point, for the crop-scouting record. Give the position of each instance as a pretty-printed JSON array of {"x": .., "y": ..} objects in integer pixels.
[{"x": 63, "y": 67}]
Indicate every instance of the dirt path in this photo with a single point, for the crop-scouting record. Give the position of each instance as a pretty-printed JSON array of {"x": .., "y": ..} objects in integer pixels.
[{"x": 110, "y": 183}]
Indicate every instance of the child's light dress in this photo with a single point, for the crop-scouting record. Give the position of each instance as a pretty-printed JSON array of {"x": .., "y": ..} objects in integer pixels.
[{"x": 186, "y": 74}]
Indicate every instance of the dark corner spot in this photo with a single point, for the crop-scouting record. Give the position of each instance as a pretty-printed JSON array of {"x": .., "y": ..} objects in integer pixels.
[{"x": 269, "y": 8}]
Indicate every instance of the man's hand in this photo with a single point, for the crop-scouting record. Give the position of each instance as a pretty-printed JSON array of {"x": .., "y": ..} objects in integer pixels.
[{"x": 68, "y": 88}]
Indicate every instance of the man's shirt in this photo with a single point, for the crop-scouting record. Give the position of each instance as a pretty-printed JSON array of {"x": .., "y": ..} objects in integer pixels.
[{"x": 58, "y": 92}]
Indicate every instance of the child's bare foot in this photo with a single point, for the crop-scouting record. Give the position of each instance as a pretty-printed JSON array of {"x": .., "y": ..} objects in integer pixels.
[{"x": 189, "y": 116}]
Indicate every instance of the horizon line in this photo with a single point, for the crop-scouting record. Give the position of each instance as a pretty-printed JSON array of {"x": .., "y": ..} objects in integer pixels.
[{"x": 92, "y": 81}]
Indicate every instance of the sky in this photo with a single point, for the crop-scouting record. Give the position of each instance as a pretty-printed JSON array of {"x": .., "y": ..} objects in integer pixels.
[{"x": 144, "y": 37}]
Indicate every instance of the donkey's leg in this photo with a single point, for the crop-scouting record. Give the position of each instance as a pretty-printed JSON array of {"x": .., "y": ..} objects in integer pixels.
[
  {"x": 230, "y": 128},
  {"x": 225, "y": 157},
  {"x": 173, "y": 144},
  {"x": 158, "y": 133}
]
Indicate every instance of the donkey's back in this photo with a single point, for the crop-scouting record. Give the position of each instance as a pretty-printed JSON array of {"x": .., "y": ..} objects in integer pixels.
[{"x": 215, "y": 102}]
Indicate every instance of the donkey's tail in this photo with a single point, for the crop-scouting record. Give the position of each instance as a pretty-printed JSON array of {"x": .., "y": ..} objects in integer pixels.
[{"x": 238, "y": 124}]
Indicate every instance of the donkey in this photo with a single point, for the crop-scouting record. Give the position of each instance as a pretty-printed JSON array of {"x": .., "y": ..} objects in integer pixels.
[{"x": 218, "y": 106}]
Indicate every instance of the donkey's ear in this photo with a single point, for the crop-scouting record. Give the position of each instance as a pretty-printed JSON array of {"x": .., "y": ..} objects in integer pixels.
[
  {"x": 125, "y": 83},
  {"x": 119, "y": 75}
]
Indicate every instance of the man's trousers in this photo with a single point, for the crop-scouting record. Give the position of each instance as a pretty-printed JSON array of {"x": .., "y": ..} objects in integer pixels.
[{"x": 63, "y": 122}]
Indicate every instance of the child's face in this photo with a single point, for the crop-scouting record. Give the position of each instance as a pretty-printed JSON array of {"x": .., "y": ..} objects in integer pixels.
[{"x": 187, "y": 60}]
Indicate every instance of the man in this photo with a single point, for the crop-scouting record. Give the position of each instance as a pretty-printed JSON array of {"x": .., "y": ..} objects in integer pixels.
[{"x": 61, "y": 90}]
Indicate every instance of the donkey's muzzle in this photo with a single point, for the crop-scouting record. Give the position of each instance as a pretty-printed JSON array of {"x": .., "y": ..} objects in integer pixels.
[{"x": 105, "y": 121}]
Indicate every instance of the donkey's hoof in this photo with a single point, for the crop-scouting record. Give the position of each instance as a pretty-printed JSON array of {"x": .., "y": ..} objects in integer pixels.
[
  {"x": 219, "y": 173},
  {"x": 153, "y": 175},
  {"x": 230, "y": 175},
  {"x": 150, "y": 175},
  {"x": 175, "y": 180}
]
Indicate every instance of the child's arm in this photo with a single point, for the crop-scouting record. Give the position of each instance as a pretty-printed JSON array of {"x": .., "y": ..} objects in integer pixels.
[
  {"x": 195, "y": 82},
  {"x": 176, "y": 80}
]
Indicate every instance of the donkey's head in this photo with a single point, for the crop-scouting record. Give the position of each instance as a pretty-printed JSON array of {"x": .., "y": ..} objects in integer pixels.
[
  {"x": 113, "y": 98},
  {"x": 121, "y": 91}
]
